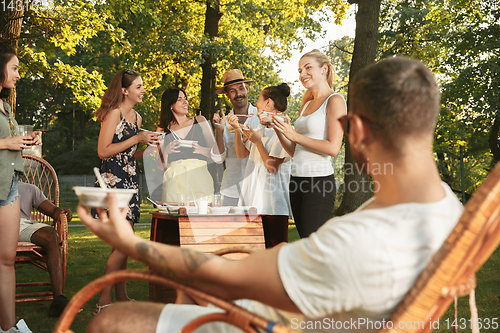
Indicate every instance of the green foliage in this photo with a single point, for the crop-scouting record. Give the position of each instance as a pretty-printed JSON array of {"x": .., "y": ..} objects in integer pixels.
[
  {"x": 459, "y": 41},
  {"x": 71, "y": 49}
]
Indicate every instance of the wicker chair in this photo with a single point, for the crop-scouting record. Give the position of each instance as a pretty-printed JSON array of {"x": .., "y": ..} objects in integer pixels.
[
  {"x": 450, "y": 273},
  {"x": 41, "y": 174},
  {"x": 235, "y": 315}
]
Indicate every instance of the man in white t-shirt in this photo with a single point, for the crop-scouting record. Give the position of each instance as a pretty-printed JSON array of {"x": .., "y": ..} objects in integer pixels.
[
  {"x": 45, "y": 236},
  {"x": 349, "y": 275},
  {"x": 236, "y": 89}
]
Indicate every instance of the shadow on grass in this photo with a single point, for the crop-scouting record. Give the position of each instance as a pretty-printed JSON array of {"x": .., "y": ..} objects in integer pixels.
[{"x": 87, "y": 256}]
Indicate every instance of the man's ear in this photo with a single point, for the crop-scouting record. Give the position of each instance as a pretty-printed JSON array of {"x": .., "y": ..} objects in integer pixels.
[{"x": 360, "y": 132}]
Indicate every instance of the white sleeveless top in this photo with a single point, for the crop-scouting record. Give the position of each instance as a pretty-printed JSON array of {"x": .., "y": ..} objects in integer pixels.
[{"x": 306, "y": 163}]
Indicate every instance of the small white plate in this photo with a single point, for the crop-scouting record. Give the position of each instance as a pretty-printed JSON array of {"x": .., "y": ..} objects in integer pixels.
[
  {"x": 219, "y": 210},
  {"x": 240, "y": 209}
]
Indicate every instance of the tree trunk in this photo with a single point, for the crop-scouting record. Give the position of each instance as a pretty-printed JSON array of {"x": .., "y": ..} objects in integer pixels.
[
  {"x": 209, "y": 66},
  {"x": 11, "y": 20},
  {"x": 493, "y": 139},
  {"x": 365, "y": 49}
]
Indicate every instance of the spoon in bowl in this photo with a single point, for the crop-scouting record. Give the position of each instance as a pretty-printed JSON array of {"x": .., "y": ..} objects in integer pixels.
[{"x": 99, "y": 178}]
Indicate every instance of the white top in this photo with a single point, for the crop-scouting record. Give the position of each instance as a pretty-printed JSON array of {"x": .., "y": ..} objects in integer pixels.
[
  {"x": 235, "y": 168},
  {"x": 266, "y": 191},
  {"x": 359, "y": 266},
  {"x": 307, "y": 163}
]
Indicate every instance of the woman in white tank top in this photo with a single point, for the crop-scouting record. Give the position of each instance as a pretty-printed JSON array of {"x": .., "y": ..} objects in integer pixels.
[{"x": 316, "y": 138}]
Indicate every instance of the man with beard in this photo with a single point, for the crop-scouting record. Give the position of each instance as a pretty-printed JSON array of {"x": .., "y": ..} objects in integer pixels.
[
  {"x": 236, "y": 89},
  {"x": 356, "y": 268}
]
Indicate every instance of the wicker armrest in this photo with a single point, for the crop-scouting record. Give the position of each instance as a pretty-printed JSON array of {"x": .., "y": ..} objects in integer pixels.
[{"x": 234, "y": 314}]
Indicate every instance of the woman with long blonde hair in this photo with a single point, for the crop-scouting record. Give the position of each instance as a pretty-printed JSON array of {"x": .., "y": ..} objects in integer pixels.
[{"x": 317, "y": 137}]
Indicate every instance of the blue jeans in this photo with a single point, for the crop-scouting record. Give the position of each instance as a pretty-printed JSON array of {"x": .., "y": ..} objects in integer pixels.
[{"x": 13, "y": 194}]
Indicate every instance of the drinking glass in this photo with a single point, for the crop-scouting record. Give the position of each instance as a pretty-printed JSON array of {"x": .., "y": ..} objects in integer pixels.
[{"x": 217, "y": 200}]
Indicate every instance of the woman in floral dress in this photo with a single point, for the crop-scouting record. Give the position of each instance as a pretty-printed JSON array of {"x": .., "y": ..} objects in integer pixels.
[{"x": 117, "y": 147}]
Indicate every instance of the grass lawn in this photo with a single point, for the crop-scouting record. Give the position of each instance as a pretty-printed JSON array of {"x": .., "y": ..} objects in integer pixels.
[{"x": 88, "y": 255}]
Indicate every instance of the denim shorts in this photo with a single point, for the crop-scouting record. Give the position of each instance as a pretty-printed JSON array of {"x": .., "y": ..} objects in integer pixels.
[{"x": 13, "y": 194}]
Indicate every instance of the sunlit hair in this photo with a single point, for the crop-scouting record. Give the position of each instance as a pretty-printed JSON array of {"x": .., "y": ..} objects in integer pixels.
[
  {"x": 113, "y": 96},
  {"x": 278, "y": 94},
  {"x": 400, "y": 98},
  {"x": 7, "y": 52},
  {"x": 168, "y": 99},
  {"x": 322, "y": 60}
]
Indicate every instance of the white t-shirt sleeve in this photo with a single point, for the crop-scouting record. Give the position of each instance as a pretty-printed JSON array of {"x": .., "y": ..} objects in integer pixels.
[
  {"x": 218, "y": 158},
  {"x": 277, "y": 150},
  {"x": 303, "y": 266}
]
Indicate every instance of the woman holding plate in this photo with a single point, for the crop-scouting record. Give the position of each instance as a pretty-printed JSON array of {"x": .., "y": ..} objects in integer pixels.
[{"x": 185, "y": 151}]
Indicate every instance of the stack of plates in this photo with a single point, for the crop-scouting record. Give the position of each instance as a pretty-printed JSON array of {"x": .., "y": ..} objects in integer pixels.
[
  {"x": 219, "y": 210},
  {"x": 240, "y": 209},
  {"x": 173, "y": 209}
]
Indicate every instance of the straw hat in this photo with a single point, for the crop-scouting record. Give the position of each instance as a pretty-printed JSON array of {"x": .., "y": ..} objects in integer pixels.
[{"x": 231, "y": 77}]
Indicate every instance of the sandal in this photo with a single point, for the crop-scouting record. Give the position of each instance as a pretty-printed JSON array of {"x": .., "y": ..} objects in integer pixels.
[{"x": 98, "y": 307}]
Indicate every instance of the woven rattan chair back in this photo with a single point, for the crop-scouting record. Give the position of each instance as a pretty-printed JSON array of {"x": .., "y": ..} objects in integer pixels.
[
  {"x": 452, "y": 269},
  {"x": 41, "y": 174}
]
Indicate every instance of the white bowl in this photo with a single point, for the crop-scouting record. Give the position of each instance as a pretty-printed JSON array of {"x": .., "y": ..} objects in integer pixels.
[
  {"x": 172, "y": 210},
  {"x": 97, "y": 197},
  {"x": 219, "y": 210},
  {"x": 163, "y": 209},
  {"x": 192, "y": 209},
  {"x": 186, "y": 143},
  {"x": 240, "y": 209}
]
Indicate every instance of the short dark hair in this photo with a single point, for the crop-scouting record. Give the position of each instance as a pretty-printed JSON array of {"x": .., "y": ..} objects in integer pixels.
[
  {"x": 7, "y": 52},
  {"x": 399, "y": 96},
  {"x": 279, "y": 95},
  {"x": 168, "y": 99}
]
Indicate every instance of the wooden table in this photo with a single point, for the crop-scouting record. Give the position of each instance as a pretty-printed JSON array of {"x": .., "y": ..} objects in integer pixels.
[{"x": 205, "y": 233}]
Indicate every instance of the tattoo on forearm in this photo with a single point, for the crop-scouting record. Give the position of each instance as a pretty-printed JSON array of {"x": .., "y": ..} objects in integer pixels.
[
  {"x": 193, "y": 259},
  {"x": 150, "y": 255}
]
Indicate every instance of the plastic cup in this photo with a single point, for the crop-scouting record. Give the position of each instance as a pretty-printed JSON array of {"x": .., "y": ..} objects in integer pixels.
[
  {"x": 24, "y": 130},
  {"x": 202, "y": 206},
  {"x": 183, "y": 199}
]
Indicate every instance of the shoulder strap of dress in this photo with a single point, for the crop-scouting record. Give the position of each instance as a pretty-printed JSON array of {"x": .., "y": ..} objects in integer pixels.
[{"x": 122, "y": 117}]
